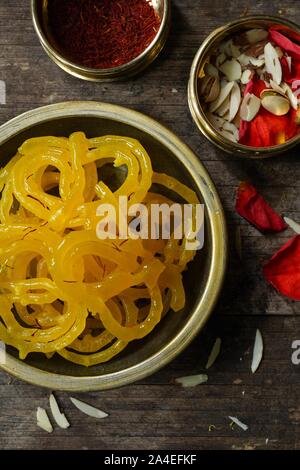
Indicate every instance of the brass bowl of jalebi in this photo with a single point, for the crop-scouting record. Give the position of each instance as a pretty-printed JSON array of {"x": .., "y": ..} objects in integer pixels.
[
  {"x": 202, "y": 280},
  {"x": 39, "y": 10},
  {"x": 196, "y": 103}
]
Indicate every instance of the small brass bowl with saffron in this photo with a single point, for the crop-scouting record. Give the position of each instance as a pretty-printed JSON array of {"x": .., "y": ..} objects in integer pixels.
[{"x": 39, "y": 10}]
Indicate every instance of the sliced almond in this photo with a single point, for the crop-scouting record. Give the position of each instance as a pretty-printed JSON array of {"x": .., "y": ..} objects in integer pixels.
[
  {"x": 256, "y": 35},
  {"x": 226, "y": 116},
  {"x": 292, "y": 224},
  {"x": 214, "y": 353},
  {"x": 248, "y": 60},
  {"x": 58, "y": 416},
  {"x": 232, "y": 70},
  {"x": 220, "y": 59},
  {"x": 246, "y": 76},
  {"x": 192, "y": 380},
  {"x": 257, "y": 352},
  {"x": 43, "y": 421},
  {"x": 277, "y": 88},
  {"x": 235, "y": 101},
  {"x": 230, "y": 131},
  {"x": 216, "y": 121},
  {"x": 252, "y": 36},
  {"x": 276, "y": 104},
  {"x": 244, "y": 59},
  {"x": 224, "y": 108},
  {"x": 225, "y": 47},
  {"x": 211, "y": 70},
  {"x": 224, "y": 93},
  {"x": 88, "y": 409},
  {"x": 289, "y": 93},
  {"x": 273, "y": 66},
  {"x": 239, "y": 423},
  {"x": 214, "y": 91},
  {"x": 235, "y": 50},
  {"x": 225, "y": 128},
  {"x": 237, "y": 121},
  {"x": 230, "y": 49},
  {"x": 209, "y": 88},
  {"x": 260, "y": 62},
  {"x": 249, "y": 107},
  {"x": 228, "y": 135},
  {"x": 289, "y": 62}
]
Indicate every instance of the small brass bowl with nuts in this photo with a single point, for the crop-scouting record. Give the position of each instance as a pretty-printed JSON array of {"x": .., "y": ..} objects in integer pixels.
[{"x": 244, "y": 87}]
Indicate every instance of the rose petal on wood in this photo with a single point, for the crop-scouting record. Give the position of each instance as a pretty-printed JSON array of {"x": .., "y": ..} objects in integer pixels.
[
  {"x": 282, "y": 271},
  {"x": 252, "y": 206}
]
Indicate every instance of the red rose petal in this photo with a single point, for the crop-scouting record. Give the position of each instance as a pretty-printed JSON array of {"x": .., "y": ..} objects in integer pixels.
[
  {"x": 283, "y": 269},
  {"x": 252, "y": 206},
  {"x": 266, "y": 128},
  {"x": 290, "y": 33},
  {"x": 293, "y": 75},
  {"x": 255, "y": 87},
  {"x": 285, "y": 43}
]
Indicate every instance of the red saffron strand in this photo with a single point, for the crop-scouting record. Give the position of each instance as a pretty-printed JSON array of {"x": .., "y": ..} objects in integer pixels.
[{"x": 102, "y": 33}]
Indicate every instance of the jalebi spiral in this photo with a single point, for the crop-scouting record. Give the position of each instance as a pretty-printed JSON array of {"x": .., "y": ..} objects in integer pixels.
[{"x": 62, "y": 289}]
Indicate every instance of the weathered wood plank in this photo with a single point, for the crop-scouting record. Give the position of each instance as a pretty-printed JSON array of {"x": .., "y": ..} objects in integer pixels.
[{"x": 157, "y": 414}]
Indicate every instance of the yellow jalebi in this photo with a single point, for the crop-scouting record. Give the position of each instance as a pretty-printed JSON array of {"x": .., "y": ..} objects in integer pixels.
[{"x": 62, "y": 289}]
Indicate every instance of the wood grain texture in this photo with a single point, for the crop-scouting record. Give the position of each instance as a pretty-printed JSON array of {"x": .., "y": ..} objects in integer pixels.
[{"x": 155, "y": 413}]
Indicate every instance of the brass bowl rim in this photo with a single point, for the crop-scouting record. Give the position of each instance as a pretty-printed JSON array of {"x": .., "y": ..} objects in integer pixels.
[
  {"x": 79, "y": 70},
  {"x": 199, "y": 116},
  {"x": 218, "y": 231}
]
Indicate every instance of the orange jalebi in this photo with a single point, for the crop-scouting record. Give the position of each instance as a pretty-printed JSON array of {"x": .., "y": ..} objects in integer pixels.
[{"x": 62, "y": 289}]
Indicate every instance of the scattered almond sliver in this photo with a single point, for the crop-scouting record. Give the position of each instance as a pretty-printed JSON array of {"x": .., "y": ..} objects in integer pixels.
[
  {"x": 88, "y": 409},
  {"x": 214, "y": 353},
  {"x": 58, "y": 416},
  {"x": 192, "y": 380},
  {"x": 292, "y": 224},
  {"x": 42, "y": 420},
  {"x": 239, "y": 423},
  {"x": 257, "y": 352}
]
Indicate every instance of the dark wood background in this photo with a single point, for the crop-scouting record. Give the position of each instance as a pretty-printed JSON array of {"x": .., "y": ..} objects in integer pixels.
[{"x": 155, "y": 413}]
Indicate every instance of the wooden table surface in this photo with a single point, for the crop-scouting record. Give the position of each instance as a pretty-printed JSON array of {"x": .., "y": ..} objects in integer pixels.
[{"x": 155, "y": 413}]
